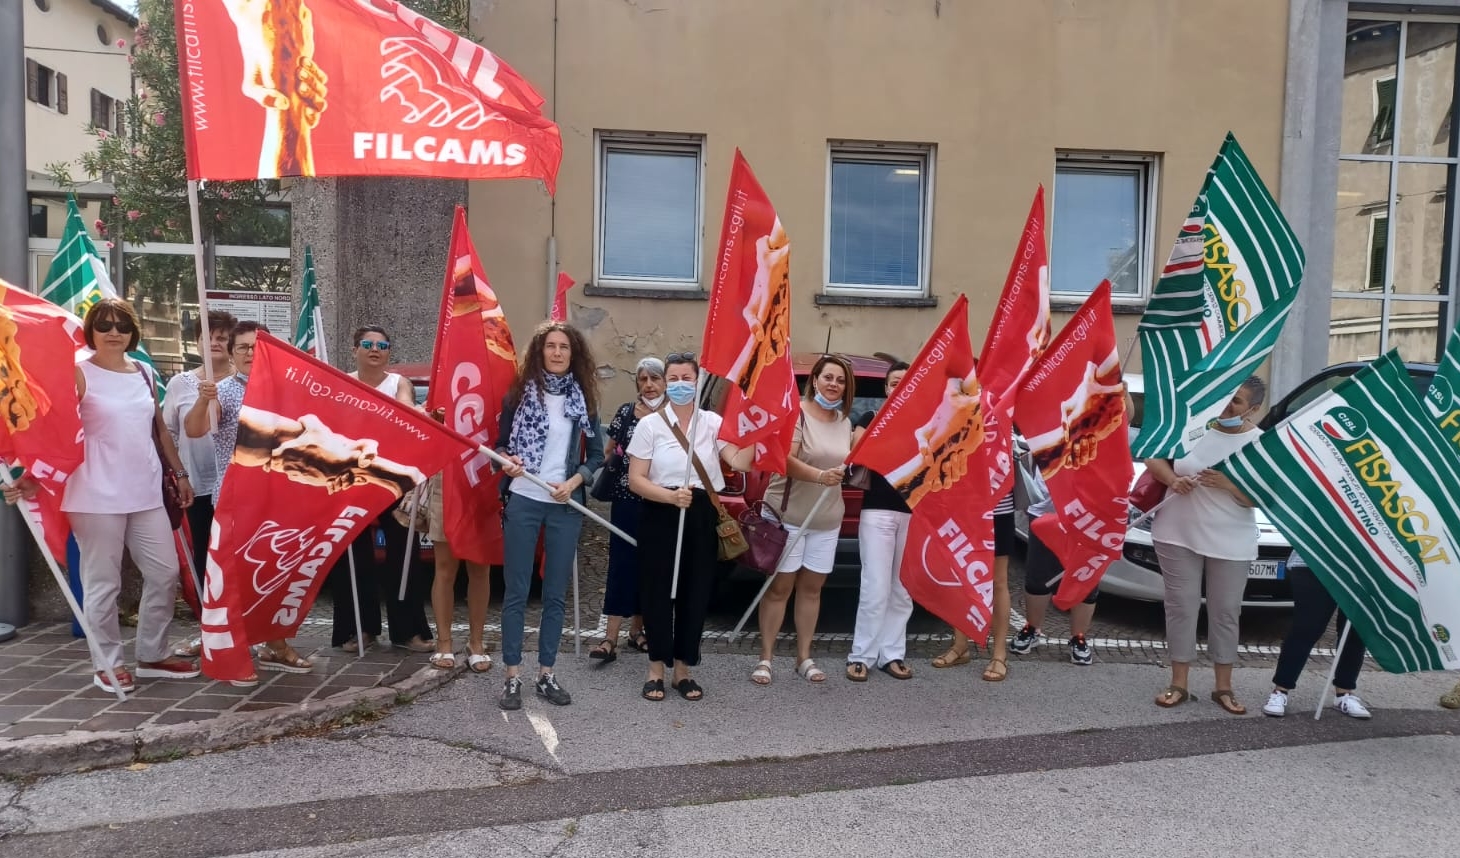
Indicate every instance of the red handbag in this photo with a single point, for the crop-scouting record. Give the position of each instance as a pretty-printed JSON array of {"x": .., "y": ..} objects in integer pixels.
[{"x": 1147, "y": 492}]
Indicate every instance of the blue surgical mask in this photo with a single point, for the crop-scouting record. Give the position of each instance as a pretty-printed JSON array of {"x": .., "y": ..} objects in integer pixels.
[
  {"x": 828, "y": 404},
  {"x": 1230, "y": 422},
  {"x": 680, "y": 392}
]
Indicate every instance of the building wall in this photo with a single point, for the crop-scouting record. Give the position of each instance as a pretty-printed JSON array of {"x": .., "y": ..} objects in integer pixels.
[
  {"x": 997, "y": 88},
  {"x": 66, "y": 39}
]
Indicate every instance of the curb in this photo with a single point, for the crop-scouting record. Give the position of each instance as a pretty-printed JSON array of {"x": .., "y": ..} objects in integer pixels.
[{"x": 80, "y": 750}]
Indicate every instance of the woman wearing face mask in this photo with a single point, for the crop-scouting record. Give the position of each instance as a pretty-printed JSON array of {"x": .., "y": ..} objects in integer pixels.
[
  {"x": 1207, "y": 529},
  {"x": 549, "y": 428},
  {"x": 406, "y": 618},
  {"x": 884, "y": 607},
  {"x": 621, "y": 597},
  {"x": 819, "y": 449},
  {"x": 658, "y": 462}
]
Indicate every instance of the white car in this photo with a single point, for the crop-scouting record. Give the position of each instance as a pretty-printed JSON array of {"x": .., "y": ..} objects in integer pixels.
[{"x": 1137, "y": 574}]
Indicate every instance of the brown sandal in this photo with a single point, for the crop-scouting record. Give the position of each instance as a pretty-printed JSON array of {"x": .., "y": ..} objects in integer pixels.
[
  {"x": 1228, "y": 701},
  {"x": 992, "y": 675},
  {"x": 1174, "y": 695},
  {"x": 952, "y": 658},
  {"x": 856, "y": 671}
]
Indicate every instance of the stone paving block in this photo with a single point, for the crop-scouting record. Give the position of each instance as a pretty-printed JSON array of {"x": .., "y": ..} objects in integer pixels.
[
  {"x": 146, "y": 705},
  {"x": 217, "y": 702},
  {"x": 183, "y": 716},
  {"x": 331, "y": 690},
  {"x": 114, "y": 721},
  {"x": 35, "y": 697},
  {"x": 259, "y": 706},
  {"x": 30, "y": 672},
  {"x": 283, "y": 694},
  {"x": 175, "y": 689},
  {"x": 11, "y": 714},
  {"x": 36, "y": 728},
  {"x": 67, "y": 681},
  {"x": 295, "y": 679},
  {"x": 75, "y": 710}
]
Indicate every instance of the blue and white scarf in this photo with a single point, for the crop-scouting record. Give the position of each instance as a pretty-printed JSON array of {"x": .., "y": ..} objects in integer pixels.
[{"x": 530, "y": 423}]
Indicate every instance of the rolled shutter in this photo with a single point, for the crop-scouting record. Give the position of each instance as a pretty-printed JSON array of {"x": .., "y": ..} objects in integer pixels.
[{"x": 32, "y": 80}]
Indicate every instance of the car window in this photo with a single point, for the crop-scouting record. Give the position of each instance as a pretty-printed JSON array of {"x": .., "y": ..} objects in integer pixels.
[{"x": 1138, "y": 401}]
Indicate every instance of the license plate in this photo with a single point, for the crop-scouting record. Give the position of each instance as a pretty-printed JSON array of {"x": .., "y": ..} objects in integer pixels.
[{"x": 1271, "y": 570}]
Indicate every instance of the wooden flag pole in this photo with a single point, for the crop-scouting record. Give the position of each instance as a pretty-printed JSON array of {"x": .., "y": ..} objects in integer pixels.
[{"x": 200, "y": 268}]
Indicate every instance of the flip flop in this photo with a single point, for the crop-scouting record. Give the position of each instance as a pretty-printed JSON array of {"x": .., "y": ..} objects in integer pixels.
[
  {"x": 897, "y": 669},
  {"x": 1174, "y": 695},
  {"x": 856, "y": 671},
  {"x": 1228, "y": 701}
]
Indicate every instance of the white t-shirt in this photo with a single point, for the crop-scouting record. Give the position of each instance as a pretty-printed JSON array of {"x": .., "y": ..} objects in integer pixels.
[
  {"x": 1209, "y": 521},
  {"x": 120, "y": 472},
  {"x": 388, "y": 385},
  {"x": 654, "y": 440},
  {"x": 561, "y": 432},
  {"x": 198, "y": 455}
]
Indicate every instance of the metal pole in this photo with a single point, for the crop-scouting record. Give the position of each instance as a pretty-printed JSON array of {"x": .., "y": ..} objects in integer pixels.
[
  {"x": 1327, "y": 692},
  {"x": 14, "y": 268},
  {"x": 785, "y": 552}
]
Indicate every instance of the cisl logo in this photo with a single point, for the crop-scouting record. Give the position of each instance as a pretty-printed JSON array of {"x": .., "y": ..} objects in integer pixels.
[{"x": 1343, "y": 423}]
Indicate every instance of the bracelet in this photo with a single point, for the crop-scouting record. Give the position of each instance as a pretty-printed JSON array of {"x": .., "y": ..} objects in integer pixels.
[{"x": 180, "y": 474}]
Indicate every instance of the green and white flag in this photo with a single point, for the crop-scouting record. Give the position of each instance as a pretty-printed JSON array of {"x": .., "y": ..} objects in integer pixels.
[
  {"x": 1442, "y": 401},
  {"x": 1219, "y": 306},
  {"x": 1367, "y": 490},
  {"x": 77, "y": 278},
  {"x": 307, "y": 336}
]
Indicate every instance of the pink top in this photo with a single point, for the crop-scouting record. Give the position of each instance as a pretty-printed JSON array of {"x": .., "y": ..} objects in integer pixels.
[{"x": 121, "y": 472}]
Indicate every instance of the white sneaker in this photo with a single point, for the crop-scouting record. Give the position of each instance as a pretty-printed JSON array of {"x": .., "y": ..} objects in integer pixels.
[
  {"x": 1350, "y": 705},
  {"x": 1277, "y": 704}
]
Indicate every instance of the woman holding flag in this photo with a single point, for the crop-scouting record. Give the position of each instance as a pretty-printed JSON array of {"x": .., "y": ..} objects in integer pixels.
[
  {"x": 114, "y": 500},
  {"x": 1207, "y": 530},
  {"x": 658, "y": 461},
  {"x": 549, "y": 428},
  {"x": 819, "y": 449}
]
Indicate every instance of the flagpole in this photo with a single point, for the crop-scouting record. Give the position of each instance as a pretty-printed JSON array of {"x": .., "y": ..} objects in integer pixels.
[
  {"x": 1142, "y": 519},
  {"x": 689, "y": 464},
  {"x": 577, "y": 616},
  {"x": 1333, "y": 669},
  {"x": 785, "y": 552},
  {"x": 355, "y": 599},
  {"x": 538, "y": 481},
  {"x": 200, "y": 269},
  {"x": 40, "y": 540},
  {"x": 405, "y": 567}
]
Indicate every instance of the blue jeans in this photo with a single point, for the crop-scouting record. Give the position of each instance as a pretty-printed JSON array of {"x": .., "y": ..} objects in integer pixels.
[{"x": 524, "y": 520}]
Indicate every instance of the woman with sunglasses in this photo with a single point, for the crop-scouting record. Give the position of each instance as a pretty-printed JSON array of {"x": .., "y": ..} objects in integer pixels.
[
  {"x": 548, "y": 428},
  {"x": 406, "y": 617},
  {"x": 114, "y": 500},
  {"x": 621, "y": 596},
  {"x": 819, "y": 450}
]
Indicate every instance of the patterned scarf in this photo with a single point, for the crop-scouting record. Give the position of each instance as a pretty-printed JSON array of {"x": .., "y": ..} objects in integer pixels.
[{"x": 530, "y": 423}]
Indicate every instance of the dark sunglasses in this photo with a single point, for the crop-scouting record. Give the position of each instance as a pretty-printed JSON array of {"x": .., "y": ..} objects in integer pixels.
[
  {"x": 679, "y": 357},
  {"x": 122, "y": 326},
  {"x": 377, "y": 345}
]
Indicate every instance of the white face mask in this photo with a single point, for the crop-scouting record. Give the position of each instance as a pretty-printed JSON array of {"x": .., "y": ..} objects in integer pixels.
[{"x": 652, "y": 403}]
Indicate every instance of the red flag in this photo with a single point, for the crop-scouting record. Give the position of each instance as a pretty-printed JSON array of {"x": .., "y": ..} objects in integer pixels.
[
  {"x": 560, "y": 300},
  {"x": 351, "y": 88},
  {"x": 748, "y": 329},
  {"x": 926, "y": 440},
  {"x": 319, "y": 457},
  {"x": 1072, "y": 411},
  {"x": 472, "y": 367},
  {"x": 40, "y": 424},
  {"x": 1018, "y": 335}
]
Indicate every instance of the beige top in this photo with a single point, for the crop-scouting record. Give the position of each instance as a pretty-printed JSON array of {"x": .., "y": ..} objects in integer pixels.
[{"x": 823, "y": 446}]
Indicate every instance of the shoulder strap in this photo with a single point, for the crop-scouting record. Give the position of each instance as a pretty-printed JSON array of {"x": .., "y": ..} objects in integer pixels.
[{"x": 694, "y": 459}]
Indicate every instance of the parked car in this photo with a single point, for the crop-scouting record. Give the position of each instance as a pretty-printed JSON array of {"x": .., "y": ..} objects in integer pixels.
[
  {"x": 1137, "y": 574},
  {"x": 741, "y": 490}
]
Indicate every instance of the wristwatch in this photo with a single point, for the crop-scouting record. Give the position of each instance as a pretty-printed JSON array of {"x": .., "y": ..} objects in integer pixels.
[{"x": 182, "y": 475}]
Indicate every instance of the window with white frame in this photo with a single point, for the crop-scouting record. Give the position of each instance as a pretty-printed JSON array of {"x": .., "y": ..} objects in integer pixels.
[
  {"x": 879, "y": 218},
  {"x": 650, "y": 210},
  {"x": 1102, "y": 226}
]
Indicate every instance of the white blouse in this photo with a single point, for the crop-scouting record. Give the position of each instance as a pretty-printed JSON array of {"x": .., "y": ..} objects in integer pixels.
[
  {"x": 654, "y": 440},
  {"x": 1209, "y": 521},
  {"x": 121, "y": 472}
]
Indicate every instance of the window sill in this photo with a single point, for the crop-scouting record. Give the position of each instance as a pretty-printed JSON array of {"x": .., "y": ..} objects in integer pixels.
[
  {"x": 823, "y": 300},
  {"x": 654, "y": 292},
  {"x": 1068, "y": 304}
]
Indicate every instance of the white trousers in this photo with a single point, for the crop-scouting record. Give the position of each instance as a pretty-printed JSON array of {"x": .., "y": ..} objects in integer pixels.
[
  {"x": 101, "y": 538},
  {"x": 884, "y": 606}
]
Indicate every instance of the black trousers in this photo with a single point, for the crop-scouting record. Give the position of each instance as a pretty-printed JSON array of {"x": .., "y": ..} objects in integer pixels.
[
  {"x": 407, "y": 617},
  {"x": 200, "y": 525},
  {"x": 675, "y": 626},
  {"x": 1313, "y": 608}
]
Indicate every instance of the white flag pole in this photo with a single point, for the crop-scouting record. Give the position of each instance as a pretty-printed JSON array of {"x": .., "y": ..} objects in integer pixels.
[
  {"x": 689, "y": 467},
  {"x": 785, "y": 552},
  {"x": 355, "y": 604},
  {"x": 418, "y": 497},
  {"x": 538, "y": 481},
  {"x": 40, "y": 539},
  {"x": 200, "y": 268},
  {"x": 577, "y": 618},
  {"x": 1333, "y": 669}
]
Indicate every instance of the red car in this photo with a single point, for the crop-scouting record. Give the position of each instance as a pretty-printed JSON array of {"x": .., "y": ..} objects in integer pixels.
[{"x": 744, "y": 489}]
